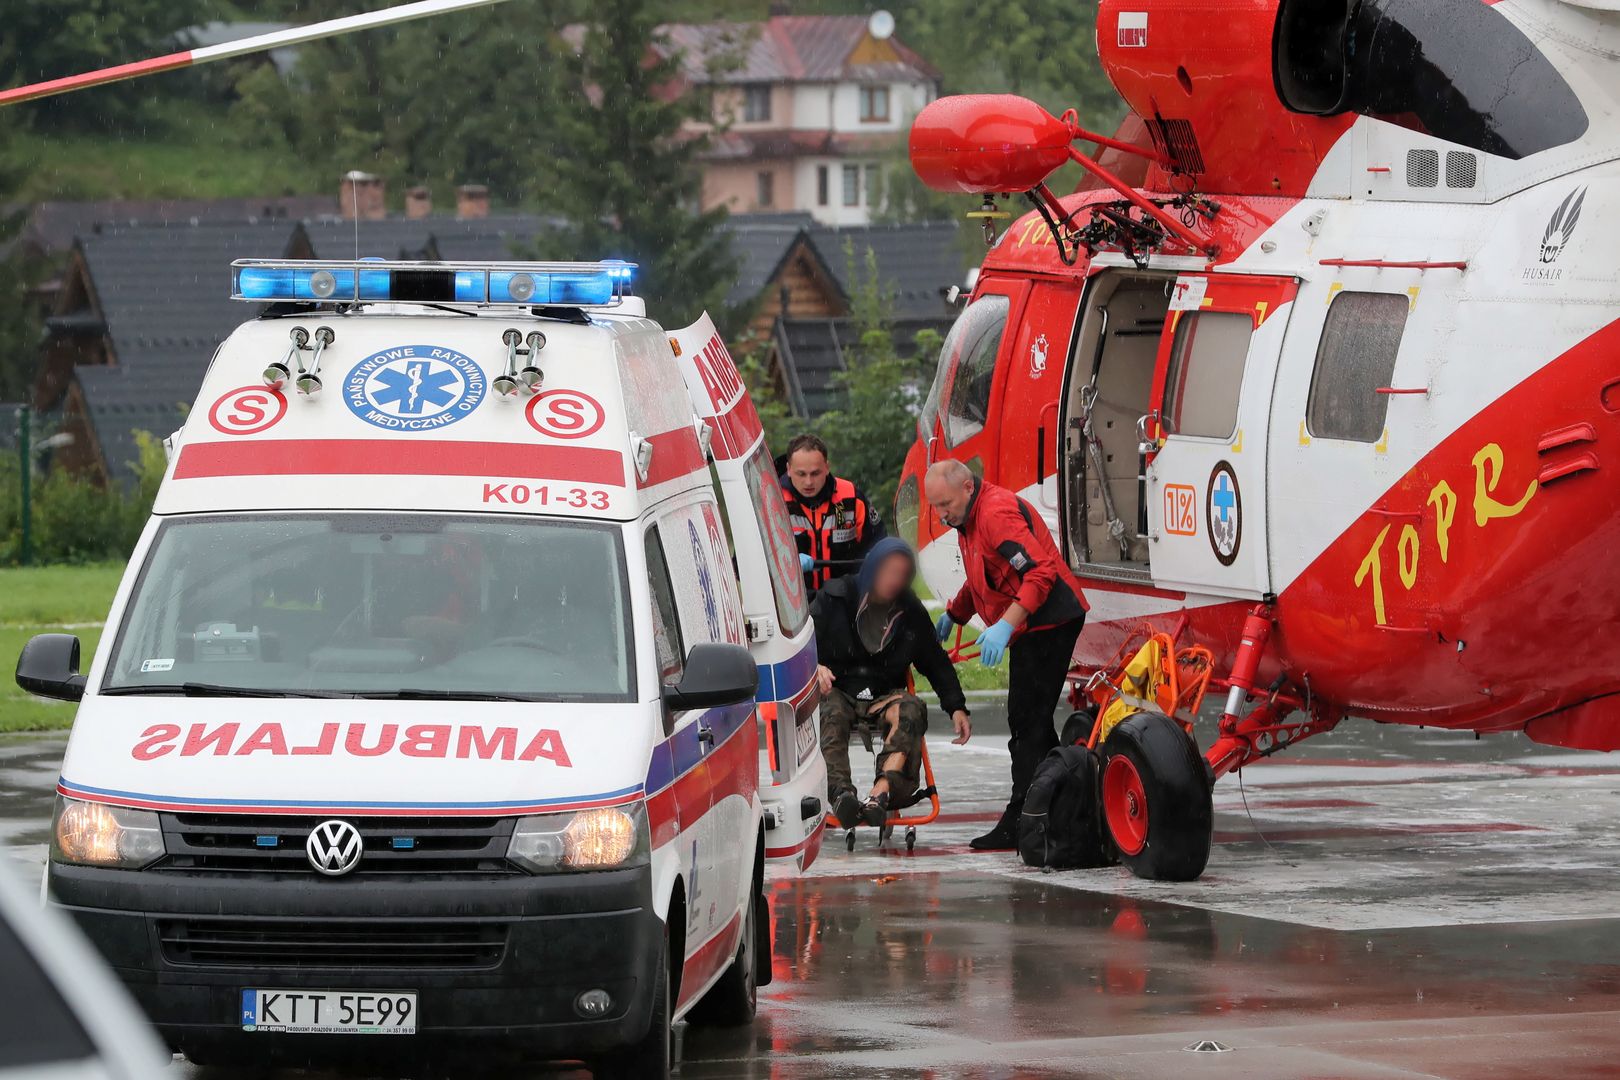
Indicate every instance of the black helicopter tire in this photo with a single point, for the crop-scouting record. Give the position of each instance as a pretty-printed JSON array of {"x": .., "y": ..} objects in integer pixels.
[{"x": 1157, "y": 798}]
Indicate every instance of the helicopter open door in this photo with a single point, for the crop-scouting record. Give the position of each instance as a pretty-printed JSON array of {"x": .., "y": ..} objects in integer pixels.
[{"x": 1204, "y": 435}]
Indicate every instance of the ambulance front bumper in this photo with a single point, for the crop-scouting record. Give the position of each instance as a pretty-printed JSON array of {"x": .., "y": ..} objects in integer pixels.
[{"x": 492, "y": 959}]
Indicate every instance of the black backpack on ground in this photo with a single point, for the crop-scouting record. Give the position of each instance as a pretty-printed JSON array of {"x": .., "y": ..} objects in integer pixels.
[{"x": 1061, "y": 827}]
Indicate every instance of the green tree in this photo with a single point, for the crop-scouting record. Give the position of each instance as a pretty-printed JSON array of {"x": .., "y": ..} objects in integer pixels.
[
  {"x": 47, "y": 39},
  {"x": 881, "y": 389},
  {"x": 439, "y": 101},
  {"x": 629, "y": 183}
]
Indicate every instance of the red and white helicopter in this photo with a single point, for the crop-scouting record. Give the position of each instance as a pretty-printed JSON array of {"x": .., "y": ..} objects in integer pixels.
[{"x": 1319, "y": 370}]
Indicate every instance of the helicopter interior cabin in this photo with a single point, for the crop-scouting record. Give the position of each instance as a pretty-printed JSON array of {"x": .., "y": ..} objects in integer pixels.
[{"x": 1110, "y": 384}]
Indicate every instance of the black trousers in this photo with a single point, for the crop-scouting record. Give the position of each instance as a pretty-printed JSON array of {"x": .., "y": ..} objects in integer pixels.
[{"x": 1037, "y": 663}]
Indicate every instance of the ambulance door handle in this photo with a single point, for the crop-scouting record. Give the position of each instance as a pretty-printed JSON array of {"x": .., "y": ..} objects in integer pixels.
[{"x": 705, "y": 736}]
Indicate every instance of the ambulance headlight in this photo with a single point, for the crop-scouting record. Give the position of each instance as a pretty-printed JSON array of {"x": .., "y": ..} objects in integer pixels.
[
  {"x": 605, "y": 838},
  {"x": 95, "y": 834}
]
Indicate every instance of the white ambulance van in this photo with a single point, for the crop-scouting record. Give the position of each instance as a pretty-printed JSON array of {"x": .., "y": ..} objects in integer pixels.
[{"x": 459, "y": 688}]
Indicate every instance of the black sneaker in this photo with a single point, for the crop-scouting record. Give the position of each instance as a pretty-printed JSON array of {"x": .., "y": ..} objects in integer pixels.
[
  {"x": 875, "y": 811},
  {"x": 847, "y": 809},
  {"x": 1004, "y": 837}
]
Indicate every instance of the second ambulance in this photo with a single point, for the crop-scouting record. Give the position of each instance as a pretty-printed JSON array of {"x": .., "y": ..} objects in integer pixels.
[{"x": 459, "y": 689}]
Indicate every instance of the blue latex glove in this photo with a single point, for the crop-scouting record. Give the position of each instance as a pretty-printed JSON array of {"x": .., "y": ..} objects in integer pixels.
[
  {"x": 806, "y": 563},
  {"x": 993, "y": 643},
  {"x": 943, "y": 626}
]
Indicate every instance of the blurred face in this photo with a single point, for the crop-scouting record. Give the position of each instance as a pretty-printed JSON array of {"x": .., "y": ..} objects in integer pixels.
[
  {"x": 893, "y": 577},
  {"x": 807, "y": 469},
  {"x": 949, "y": 499}
]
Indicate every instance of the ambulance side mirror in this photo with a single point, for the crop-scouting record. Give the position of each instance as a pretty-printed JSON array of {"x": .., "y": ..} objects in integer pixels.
[
  {"x": 715, "y": 675},
  {"x": 49, "y": 667}
]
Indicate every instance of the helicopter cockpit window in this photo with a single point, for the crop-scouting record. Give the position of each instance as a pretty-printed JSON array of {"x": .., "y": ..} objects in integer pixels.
[
  {"x": 967, "y": 368},
  {"x": 1356, "y": 357},
  {"x": 1206, "y": 373}
]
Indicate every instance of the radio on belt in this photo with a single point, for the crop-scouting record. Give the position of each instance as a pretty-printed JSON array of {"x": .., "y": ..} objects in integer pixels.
[{"x": 493, "y": 574}]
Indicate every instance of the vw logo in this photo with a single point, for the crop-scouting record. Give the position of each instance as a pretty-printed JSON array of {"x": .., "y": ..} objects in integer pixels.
[{"x": 333, "y": 848}]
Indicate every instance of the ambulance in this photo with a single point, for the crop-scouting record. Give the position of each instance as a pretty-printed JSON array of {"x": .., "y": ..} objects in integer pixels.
[{"x": 459, "y": 689}]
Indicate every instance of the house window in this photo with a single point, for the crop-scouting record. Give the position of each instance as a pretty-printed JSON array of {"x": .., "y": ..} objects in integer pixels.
[
  {"x": 1206, "y": 373},
  {"x": 757, "y": 103},
  {"x": 823, "y": 184},
  {"x": 1355, "y": 358},
  {"x": 872, "y": 186},
  {"x": 874, "y": 104},
  {"x": 852, "y": 185},
  {"x": 765, "y": 194}
]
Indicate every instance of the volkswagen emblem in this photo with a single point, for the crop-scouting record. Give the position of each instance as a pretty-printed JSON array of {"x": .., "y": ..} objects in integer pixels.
[{"x": 334, "y": 848}]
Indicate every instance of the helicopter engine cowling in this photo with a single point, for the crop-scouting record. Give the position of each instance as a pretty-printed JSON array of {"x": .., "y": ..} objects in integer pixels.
[{"x": 1200, "y": 76}]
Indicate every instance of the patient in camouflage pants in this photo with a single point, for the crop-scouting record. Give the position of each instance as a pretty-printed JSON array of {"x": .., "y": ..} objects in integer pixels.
[{"x": 871, "y": 630}]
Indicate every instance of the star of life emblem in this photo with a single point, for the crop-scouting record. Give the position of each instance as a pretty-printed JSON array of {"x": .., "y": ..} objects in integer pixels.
[{"x": 414, "y": 387}]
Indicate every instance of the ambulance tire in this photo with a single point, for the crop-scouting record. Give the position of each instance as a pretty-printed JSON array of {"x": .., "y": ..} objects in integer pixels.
[
  {"x": 733, "y": 1000},
  {"x": 649, "y": 1058},
  {"x": 1157, "y": 798}
]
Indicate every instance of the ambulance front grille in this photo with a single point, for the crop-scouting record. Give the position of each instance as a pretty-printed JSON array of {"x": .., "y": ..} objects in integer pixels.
[
  {"x": 323, "y": 943},
  {"x": 247, "y": 843}
]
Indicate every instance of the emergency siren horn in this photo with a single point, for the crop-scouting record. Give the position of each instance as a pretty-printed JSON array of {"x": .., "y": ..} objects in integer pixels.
[{"x": 280, "y": 39}]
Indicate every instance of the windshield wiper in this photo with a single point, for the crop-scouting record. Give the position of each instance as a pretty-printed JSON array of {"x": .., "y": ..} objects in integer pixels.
[
  {"x": 198, "y": 689},
  {"x": 443, "y": 695}
]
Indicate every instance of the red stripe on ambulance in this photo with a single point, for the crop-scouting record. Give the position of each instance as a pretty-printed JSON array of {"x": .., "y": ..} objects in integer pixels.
[
  {"x": 676, "y": 454},
  {"x": 398, "y": 457}
]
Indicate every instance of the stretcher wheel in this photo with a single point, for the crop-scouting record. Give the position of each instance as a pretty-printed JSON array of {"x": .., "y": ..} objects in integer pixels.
[
  {"x": 849, "y": 839},
  {"x": 1157, "y": 798},
  {"x": 911, "y": 838},
  {"x": 885, "y": 831}
]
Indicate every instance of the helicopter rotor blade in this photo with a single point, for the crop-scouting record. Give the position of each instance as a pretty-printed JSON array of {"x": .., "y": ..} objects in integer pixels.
[{"x": 297, "y": 35}]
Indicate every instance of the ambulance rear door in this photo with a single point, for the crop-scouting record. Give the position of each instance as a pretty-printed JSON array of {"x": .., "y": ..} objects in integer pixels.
[{"x": 776, "y": 609}]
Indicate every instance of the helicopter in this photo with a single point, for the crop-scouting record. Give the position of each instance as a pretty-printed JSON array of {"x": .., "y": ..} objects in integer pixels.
[{"x": 1312, "y": 373}]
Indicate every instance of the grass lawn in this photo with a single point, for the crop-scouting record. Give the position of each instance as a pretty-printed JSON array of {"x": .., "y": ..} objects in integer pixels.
[
  {"x": 39, "y": 600},
  {"x": 173, "y": 166}
]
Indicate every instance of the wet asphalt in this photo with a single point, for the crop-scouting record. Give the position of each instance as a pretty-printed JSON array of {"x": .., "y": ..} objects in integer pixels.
[{"x": 1387, "y": 903}]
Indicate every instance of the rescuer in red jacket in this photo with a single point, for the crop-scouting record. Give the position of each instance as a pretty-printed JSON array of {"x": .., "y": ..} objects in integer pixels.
[{"x": 1020, "y": 585}]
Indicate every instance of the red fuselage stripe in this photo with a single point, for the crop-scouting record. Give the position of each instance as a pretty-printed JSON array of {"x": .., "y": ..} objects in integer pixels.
[{"x": 380, "y": 457}]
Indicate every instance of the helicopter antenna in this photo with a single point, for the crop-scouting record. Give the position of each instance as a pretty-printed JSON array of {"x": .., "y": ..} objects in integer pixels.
[{"x": 297, "y": 35}]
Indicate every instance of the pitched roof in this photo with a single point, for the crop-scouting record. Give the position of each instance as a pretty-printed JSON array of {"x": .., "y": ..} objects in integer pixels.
[
  {"x": 52, "y": 226},
  {"x": 384, "y": 238},
  {"x": 789, "y": 48},
  {"x": 493, "y": 238},
  {"x": 811, "y": 352},
  {"x": 164, "y": 295},
  {"x": 760, "y": 242},
  {"x": 916, "y": 261}
]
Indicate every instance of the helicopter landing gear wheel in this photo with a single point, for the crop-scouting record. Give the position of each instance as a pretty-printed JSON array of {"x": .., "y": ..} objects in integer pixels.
[{"x": 1156, "y": 798}]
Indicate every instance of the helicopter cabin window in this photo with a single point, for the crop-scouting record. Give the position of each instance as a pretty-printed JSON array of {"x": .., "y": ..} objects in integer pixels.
[
  {"x": 1356, "y": 356},
  {"x": 967, "y": 368},
  {"x": 1207, "y": 360}
]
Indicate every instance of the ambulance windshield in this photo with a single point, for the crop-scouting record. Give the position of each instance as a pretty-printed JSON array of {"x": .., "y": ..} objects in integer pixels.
[{"x": 380, "y": 605}]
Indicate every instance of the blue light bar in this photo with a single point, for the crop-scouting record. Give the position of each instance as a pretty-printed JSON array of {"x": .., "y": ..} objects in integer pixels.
[{"x": 601, "y": 284}]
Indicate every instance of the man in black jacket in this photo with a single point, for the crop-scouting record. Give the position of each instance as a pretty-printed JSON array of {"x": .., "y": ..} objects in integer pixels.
[{"x": 870, "y": 630}]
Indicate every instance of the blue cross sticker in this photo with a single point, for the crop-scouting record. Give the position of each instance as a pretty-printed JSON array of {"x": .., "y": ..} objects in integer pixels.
[{"x": 1225, "y": 498}]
